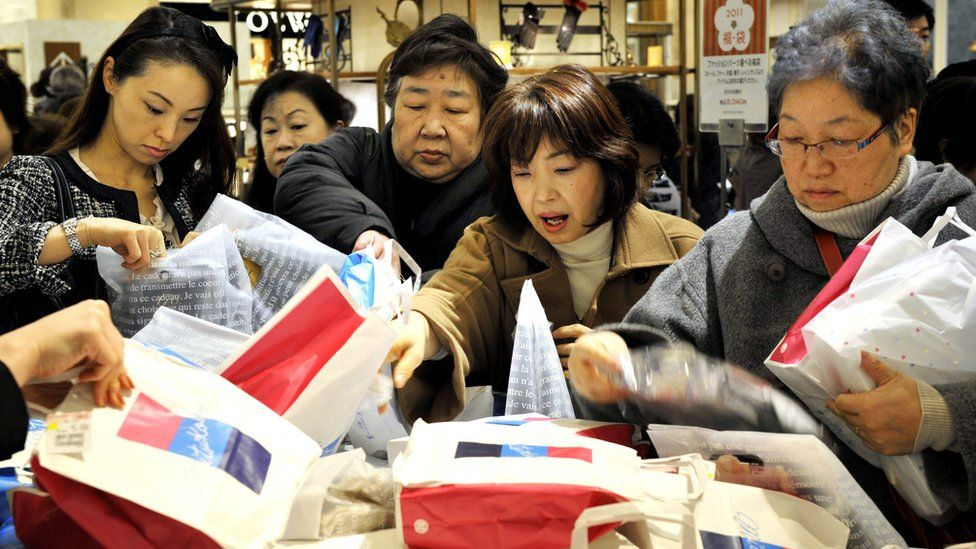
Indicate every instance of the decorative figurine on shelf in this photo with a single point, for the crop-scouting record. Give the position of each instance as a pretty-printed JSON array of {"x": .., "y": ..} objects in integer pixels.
[
  {"x": 397, "y": 30},
  {"x": 568, "y": 27}
]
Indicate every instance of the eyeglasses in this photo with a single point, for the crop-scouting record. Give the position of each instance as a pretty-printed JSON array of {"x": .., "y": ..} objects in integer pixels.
[
  {"x": 654, "y": 173},
  {"x": 834, "y": 149}
]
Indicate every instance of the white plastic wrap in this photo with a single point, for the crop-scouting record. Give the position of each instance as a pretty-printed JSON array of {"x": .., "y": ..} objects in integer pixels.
[
  {"x": 205, "y": 279},
  {"x": 681, "y": 386},
  {"x": 189, "y": 340},
  {"x": 280, "y": 258},
  {"x": 535, "y": 381}
]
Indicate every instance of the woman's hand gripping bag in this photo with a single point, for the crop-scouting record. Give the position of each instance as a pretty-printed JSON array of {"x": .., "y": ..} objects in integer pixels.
[
  {"x": 910, "y": 304},
  {"x": 188, "y": 446},
  {"x": 490, "y": 485},
  {"x": 206, "y": 279}
]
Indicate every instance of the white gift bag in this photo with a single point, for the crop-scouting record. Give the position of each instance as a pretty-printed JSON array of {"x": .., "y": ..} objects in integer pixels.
[
  {"x": 800, "y": 465},
  {"x": 206, "y": 279},
  {"x": 190, "y": 340},
  {"x": 535, "y": 380},
  {"x": 279, "y": 257},
  {"x": 314, "y": 361},
  {"x": 911, "y": 305},
  {"x": 685, "y": 508},
  {"x": 481, "y": 484},
  {"x": 190, "y": 446}
]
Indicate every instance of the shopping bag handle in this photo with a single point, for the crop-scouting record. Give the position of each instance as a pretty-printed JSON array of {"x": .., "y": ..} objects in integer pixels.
[
  {"x": 950, "y": 217},
  {"x": 698, "y": 478},
  {"x": 389, "y": 246},
  {"x": 648, "y": 516}
]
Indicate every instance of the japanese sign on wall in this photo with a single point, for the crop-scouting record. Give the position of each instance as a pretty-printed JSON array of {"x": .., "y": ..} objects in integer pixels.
[{"x": 734, "y": 63}]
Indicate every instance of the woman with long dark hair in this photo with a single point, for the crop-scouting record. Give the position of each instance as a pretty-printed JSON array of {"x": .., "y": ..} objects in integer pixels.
[{"x": 140, "y": 160}]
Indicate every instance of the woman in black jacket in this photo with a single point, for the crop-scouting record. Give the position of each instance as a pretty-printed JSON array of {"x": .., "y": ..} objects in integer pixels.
[
  {"x": 421, "y": 180},
  {"x": 141, "y": 159}
]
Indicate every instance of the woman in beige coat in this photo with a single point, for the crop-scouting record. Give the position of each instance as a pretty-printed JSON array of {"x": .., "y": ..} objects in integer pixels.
[{"x": 564, "y": 181}]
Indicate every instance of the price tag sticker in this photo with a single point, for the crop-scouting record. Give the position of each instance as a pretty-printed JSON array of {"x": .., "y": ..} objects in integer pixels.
[{"x": 69, "y": 433}]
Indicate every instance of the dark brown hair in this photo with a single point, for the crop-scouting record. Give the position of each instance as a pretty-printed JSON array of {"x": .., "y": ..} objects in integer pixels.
[
  {"x": 169, "y": 36},
  {"x": 569, "y": 107}
]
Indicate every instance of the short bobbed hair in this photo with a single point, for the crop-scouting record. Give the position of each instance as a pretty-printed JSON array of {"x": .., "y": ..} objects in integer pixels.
[
  {"x": 445, "y": 41},
  {"x": 864, "y": 46},
  {"x": 571, "y": 108}
]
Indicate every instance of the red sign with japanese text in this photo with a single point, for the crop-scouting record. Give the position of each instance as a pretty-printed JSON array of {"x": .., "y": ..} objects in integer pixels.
[{"x": 734, "y": 27}]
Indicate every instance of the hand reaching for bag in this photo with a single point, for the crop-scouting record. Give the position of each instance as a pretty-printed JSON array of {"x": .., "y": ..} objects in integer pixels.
[
  {"x": 371, "y": 239},
  {"x": 80, "y": 336},
  {"x": 415, "y": 343},
  {"x": 137, "y": 244},
  {"x": 569, "y": 334},
  {"x": 592, "y": 358}
]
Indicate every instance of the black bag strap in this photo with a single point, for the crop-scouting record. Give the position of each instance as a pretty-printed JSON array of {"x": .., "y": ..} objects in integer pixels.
[{"x": 62, "y": 192}]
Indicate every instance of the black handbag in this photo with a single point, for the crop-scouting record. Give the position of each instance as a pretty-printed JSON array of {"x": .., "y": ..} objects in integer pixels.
[{"x": 22, "y": 307}]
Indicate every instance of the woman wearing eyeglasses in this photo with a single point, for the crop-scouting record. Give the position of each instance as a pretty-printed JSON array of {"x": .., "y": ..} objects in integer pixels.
[{"x": 847, "y": 86}]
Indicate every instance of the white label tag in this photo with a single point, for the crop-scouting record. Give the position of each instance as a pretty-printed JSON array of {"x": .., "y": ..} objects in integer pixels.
[{"x": 69, "y": 433}]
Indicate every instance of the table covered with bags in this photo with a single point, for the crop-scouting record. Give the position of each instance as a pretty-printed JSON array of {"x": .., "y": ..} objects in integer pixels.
[{"x": 258, "y": 417}]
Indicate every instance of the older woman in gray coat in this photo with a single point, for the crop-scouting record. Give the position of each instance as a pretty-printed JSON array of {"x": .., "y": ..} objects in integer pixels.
[{"x": 847, "y": 85}]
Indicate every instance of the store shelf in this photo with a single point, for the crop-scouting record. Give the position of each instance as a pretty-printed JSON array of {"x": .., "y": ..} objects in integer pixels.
[
  {"x": 625, "y": 69},
  {"x": 342, "y": 76},
  {"x": 284, "y": 5},
  {"x": 649, "y": 28}
]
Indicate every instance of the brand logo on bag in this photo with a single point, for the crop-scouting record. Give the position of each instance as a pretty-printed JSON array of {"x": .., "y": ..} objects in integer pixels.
[
  {"x": 712, "y": 540},
  {"x": 478, "y": 449},
  {"x": 204, "y": 440}
]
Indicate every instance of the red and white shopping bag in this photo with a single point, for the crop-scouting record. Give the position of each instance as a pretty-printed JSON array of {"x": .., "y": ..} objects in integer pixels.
[
  {"x": 314, "y": 361},
  {"x": 904, "y": 301},
  {"x": 490, "y": 485},
  {"x": 625, "y": 434},
  {"x": 188, "y": 452}
]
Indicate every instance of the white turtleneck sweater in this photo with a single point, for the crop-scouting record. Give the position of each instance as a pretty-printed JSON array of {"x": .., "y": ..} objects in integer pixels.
[
  {"x": 857, "y": 220},
  {"x": 587, "y": 261},
  {"x": 936, "y": 429}
]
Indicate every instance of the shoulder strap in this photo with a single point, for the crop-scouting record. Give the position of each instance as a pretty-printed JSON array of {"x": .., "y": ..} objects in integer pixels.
[
  {"x": 62, "y": 193},
  {"x": 829, "y": 251}
]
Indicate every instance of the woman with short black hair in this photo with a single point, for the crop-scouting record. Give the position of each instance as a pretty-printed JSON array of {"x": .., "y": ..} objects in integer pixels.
[
  {"x": 420, "y": 180},
  {"x": 564, "y": 183}
]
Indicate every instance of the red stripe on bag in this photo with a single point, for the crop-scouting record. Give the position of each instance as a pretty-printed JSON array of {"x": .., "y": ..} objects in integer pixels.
[
  {"x": 514, "y": 516},
  {"x": 279, "y": 366},
  {"x": 793, "y": 349},
  {"x": 110, "y": 520}
]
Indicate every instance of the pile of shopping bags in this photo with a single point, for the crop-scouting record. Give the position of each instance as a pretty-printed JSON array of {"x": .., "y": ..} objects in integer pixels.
[{"x": 251, "y": 359}]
